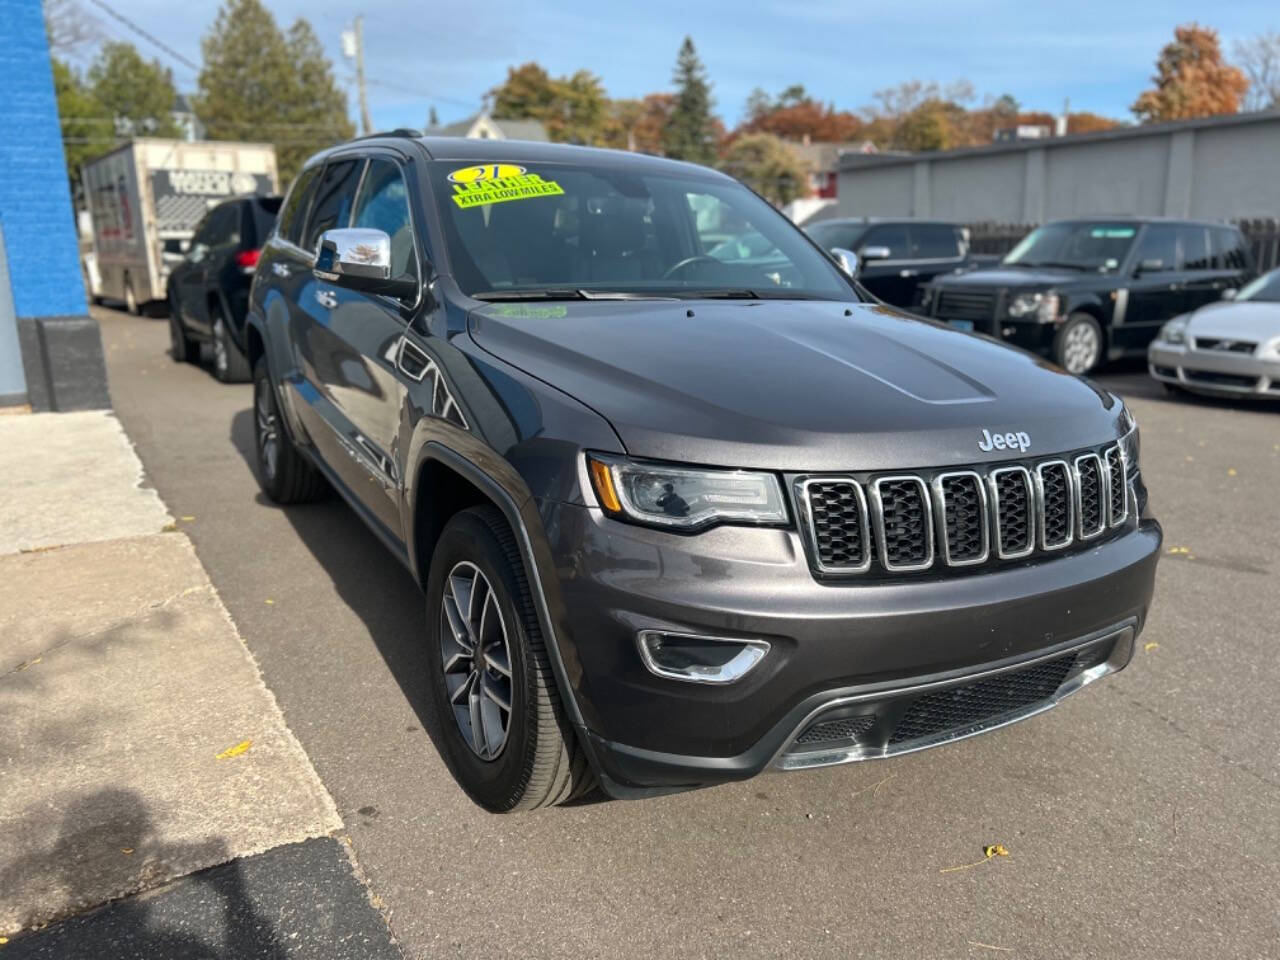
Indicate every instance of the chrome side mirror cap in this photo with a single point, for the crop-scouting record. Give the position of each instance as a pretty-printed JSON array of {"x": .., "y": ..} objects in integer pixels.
[
  {"x": 847, "y": 260},
  {"x": 359, "y": 258},
  {"x": 1229, "y": 293},
  {"x": 876, "y": 253}
]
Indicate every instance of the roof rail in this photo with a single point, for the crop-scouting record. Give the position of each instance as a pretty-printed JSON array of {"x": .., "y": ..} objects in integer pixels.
[{"x": 398, "y": 132}]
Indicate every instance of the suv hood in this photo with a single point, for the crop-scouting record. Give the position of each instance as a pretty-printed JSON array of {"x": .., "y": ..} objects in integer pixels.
[
  {"x": 795, "y": 385},
  {"x": 1015, "y": 277}
]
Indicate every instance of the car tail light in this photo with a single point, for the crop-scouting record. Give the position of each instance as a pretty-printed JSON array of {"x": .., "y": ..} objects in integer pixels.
[{"x": 248, "y": 259}]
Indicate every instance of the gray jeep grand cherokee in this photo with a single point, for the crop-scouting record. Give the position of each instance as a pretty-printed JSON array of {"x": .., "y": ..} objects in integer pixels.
[{"x": 679, "y": 518}]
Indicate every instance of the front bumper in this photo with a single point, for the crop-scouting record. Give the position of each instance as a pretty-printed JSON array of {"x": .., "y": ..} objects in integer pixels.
[
  {"x": 855, "y": 648},
  {"x": 1214, "y": 371}
]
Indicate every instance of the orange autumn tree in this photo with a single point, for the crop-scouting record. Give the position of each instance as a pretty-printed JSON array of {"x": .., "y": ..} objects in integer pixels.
[{"x": 1192, "y": 79}]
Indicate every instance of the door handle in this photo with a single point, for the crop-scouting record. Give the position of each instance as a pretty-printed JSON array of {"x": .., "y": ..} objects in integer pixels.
[
  {"x": 326, "y": 299},
  {"x": 904, "y": 274},
  {"x": 280, "y": 269}
]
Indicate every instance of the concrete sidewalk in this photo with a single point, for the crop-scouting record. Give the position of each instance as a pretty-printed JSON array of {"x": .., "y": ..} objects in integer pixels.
[{"x": 139, "y": 743}]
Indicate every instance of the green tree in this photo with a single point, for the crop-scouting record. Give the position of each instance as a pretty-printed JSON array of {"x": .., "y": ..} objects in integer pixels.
[
  {"x": 691, "y": 131},
  {"x": 768, "y": 166},
  {"x": 138, "y": 95},
  {"x": 574, "y": 109},
  {"x": 930, "y": 126},
  {"x": 257, "y": 84},
  {"x": 87, "y": 130}
]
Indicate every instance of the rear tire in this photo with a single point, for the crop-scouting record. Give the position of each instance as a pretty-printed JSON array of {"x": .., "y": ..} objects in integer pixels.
[
  {"x": 181, "y": 347},
  {"x": 1078, "y": 346},
  {"x": 284, "y": 474},
  {"x": 229, "y": 364},
  {"x": 534, "y": 759}
]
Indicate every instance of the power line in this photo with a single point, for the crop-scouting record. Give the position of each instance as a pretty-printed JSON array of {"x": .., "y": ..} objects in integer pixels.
[{"x": 145, "y": 35}]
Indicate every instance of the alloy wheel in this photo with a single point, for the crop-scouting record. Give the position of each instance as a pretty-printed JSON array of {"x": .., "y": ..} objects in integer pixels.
[
  {"x": 220, "y": 347},
  {"x": 476, "y": 653},
  {"x": 267, "y": 429},
  {"x": 1080, "y": 348}
]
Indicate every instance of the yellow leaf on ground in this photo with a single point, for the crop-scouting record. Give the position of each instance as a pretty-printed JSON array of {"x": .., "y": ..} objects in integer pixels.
[
  {"x": 235, "y": 751},
  {"x": 989, "y": 852},
  {"x": 186, "y": 519},
  {"x": 127, "y": 851},
  {"x": 1231, "y": 471},
  {"x": 1150, "y": 645},
  {"x": 269, "y": 600},
  {"x": 1180, "y": 551}
]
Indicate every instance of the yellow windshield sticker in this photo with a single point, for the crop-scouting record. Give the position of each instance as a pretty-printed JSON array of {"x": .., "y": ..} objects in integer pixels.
[{"x": 497, "y": 183}]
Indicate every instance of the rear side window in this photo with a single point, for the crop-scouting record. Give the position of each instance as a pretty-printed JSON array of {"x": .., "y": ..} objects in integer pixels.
[
  {"x": 1158, "y": 243},
  {"x": 295, "y": 207},
  {"x": 934, "y": 241},
  {"x": 261, "y": 214},
  {"x": 335, "y": 196},
  {"x": 383, "y": 205},
  {"x": 1229, "y": 251},
  {"x": 1195, "y": 247},
  {"x": 891, "y": 235},
  {"x": 223, "y": 226}
]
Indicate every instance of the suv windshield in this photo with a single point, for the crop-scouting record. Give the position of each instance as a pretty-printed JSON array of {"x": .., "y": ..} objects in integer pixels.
[
  {"x": 556, "y": 231},
  {"x": 1077, "y": 246},
  {"x": 1265, "y": 289}
]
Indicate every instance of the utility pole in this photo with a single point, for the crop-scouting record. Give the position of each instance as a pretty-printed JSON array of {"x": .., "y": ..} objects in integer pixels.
[{"x": 353, "y": 49}]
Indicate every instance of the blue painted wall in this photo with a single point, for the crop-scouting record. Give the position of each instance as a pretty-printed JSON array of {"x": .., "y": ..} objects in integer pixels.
[{"x": 35, "y": 202}]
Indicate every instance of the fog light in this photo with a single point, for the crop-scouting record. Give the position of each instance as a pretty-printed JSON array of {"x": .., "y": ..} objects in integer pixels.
[{"x": 696, "y": 659}]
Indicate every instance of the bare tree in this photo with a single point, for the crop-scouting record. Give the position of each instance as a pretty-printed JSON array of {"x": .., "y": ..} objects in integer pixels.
[
  {"x": 69, "y": 26},
  {"x": 1259, "y": 58}
]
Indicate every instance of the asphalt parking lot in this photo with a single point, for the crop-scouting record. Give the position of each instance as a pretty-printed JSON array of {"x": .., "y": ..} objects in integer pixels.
[{"x": 1141, "y": 818}]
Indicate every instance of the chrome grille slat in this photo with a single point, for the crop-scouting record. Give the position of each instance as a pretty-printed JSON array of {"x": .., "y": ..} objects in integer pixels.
[
  {"x": 1014, "y": 511},
  {"x": 903, "y": 523},
  {"x": 1091, "y": 496},
  {"x": 1056, "y": 504},
  {"x": 835, "y": 511},
  {"x": 1117, "y": 486},
  {"x": 964, "y": 528}
]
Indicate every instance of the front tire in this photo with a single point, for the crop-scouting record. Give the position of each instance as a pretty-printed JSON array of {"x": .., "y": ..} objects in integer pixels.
[
  {"x": 504, "y": 731},
  {"x": 283, "y": 473},
  {"x": 181, "y": 347},
  {"x": 229, "y": 364},
  {"x": 1077, "y": 348}
]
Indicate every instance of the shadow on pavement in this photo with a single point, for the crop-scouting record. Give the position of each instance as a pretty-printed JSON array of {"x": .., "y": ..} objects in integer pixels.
[{"x": 89, "y": 843}]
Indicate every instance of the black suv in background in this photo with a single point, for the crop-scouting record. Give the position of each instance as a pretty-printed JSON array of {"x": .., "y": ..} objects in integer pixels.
[
  {"x": 896, "y": 257},
  {"x": 678, "y": 518},
  {"x": 209, "y": 289},
  {"x": 1085, "y": 291}
]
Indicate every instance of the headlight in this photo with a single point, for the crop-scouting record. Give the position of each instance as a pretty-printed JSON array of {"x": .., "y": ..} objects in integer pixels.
[
  {"x": 684, "y": 498},
  {"x": 1044, "y": 306},
  {"x": 1129, "y": 443},
  {"x": 1175, "y": 331}
]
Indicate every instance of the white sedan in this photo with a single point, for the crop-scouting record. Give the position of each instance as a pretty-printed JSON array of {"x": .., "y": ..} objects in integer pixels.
[{"x": 1231, "y": 347}]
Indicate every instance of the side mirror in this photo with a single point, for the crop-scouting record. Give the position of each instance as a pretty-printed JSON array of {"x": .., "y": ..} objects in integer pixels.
[
  {"x": 1154, "y": 265},
  {"x": 847, "y": 260},
  {"x": 360, "y": 259},
  {"x": 876, "y": 253},
  {"x": 1229, "y": 293}
]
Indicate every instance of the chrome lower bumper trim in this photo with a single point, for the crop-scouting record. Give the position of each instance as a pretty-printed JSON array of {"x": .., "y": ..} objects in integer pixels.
[{"x": 1121, "y": 637}]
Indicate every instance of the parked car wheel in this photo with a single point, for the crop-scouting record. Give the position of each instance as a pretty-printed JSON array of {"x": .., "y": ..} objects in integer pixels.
[
  {"x": 182, "y": 348},
  {"x": 229, "y": 364},
  {"x": 1078, "y": 346},
  {"x": 131, "y": 299},
  {"x": 504, "y": 729},
  {"x": 284, "y": 474}
]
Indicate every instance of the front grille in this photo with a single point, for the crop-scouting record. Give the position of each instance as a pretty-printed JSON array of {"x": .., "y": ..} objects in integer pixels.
[
  {"x": 953, "y": 305},
  {"x": 1116, "y": 477},
  {"x": 1057, "y": 507},
  {"x": 1090, "y": 496},
  {"x": 903, "y": 523},
  {"x": 1219, "y": 379},
  {"x": 838, "y": 522},
  {"x": 854, "y": 524},
  {"x": 962, "y": 501},
  {"x": 830, "y": 731},
  {"x": 1228, "y": 346},
  {"x": 982, "y": 700}
]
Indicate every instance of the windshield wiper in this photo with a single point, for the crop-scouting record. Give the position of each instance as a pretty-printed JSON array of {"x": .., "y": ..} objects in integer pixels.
[
  {"x": 715, "y": 294},
  {"x": 1056, "y": 263},
  {"x": 545, "y": 293}
]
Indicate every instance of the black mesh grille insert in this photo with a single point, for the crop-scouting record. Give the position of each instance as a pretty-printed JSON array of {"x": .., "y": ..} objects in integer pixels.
[
  {"x": 1089, "y": 476},
  {"x": 828, "y": 731},
  {"x": 958, "y": 707},
  {"x": 1054, "y": 478},
  {"x": 836, "y": 512},
  {"x": 964, "y": 517},
  {"x": 1115, "y": 467},
  {"x": 966, "y": 306},
  {"x": 906, "y": 522},
  {"x": 1013, "y": 511}
]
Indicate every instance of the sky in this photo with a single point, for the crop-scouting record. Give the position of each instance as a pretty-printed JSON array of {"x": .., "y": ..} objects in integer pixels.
[{"x": 1098, "y": 54}]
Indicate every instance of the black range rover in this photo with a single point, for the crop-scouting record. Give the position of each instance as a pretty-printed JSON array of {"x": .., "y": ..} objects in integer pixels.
[{"x": 1085, "y": 291}]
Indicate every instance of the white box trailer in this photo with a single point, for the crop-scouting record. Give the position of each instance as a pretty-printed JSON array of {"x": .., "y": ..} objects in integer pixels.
[{"x": 145, "y": 198}]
